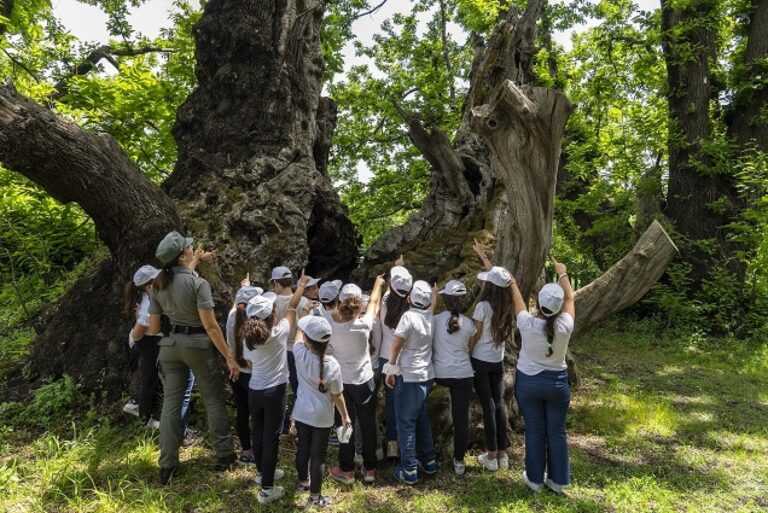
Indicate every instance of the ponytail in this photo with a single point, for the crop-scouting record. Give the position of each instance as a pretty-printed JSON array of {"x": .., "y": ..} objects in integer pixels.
[
  {"x": 351, "y": 307},
  {"x": 256, "y": 331},
  {"x": 131, "y": 297},
  {"x": 549, "y": 327},
  {"x": 456, "y": 305},
  {"x": 396, "y": 307},
  {"x": 319, "y": 349},
  {"x": 240, "y": 320}
]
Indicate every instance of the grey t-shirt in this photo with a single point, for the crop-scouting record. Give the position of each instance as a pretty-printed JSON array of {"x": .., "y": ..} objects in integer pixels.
[
  {"x": 231, "y": 342},
  {"x": 182, "y": 298},
  {"x": 415, "y": 359},
  {"x": 281, "y": 306},
  {"x": 269, "y": 364},
  {"x": 486, "y": 349},
  {"x": 450, "y": 351},
  {"x": 313, "y": 407}
]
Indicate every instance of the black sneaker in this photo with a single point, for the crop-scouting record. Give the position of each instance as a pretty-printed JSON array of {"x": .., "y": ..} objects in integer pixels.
[
  {"x": 167, "y": 474},
  {"x": 225, "y": 463}
]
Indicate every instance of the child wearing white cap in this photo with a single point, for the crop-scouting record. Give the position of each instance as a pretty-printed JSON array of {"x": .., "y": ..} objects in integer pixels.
[
  {"x": 266, "y": 340},
  {"x": 320, "y": 388},
  {"x": 494, "y": 320},
  {"x": 235, "y": 333},
  {"x": 140, "y": 340},
  {"x": 541, "y": 386},
  {"x": 349, "y": 342},
  {"x": 394, "y": 305},
  {"x": 410, "y": 372},
  {"x": 450, "y": 357}
]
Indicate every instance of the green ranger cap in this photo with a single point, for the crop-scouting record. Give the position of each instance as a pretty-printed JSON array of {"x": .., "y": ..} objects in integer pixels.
[{"x": 171, "y": 246}]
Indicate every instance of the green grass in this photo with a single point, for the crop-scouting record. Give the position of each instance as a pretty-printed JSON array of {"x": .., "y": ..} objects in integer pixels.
[{"x": 658, "y": 425}]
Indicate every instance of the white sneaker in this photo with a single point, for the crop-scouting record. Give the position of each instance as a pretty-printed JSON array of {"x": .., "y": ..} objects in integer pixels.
[
  {"x": 459, "y": 467},
  {"x": 487, "y": 463},
  {"x": 533, "y": 486},
  {"x": 271, "y": 495},
  {"x": 553, "y": 486},
  {"x": 131, "y": 408},
  {"x": 278, "y": 476},
  {"x": 503, "y": 462},
  {"x": 152, "y": 424}
]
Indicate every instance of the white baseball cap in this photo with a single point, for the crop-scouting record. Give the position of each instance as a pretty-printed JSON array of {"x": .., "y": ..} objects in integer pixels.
[
  {"x": 400, "y": 280},
  {"x": 144, "y": 275},
  {"x": 421, "y": 294},
  {"x": 311, "y": 281},
  {"x": 497, "y": 275},
  {"x": 350, "y": 290},
  {"x": 272, "y": 296},
  {"x": 454, "y": 288},
  {"x": 246, "y": 293},
  {"x": 280, "y": 272},
  {"x": 315, "y": 327},
  {"x": 551, "y": 297},
  {"x": 260, "y": 307},
  {"x": 329, "y": 291}
]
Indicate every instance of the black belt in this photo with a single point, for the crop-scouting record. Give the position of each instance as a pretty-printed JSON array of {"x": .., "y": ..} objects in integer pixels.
[{"x": 187, "y": 330}]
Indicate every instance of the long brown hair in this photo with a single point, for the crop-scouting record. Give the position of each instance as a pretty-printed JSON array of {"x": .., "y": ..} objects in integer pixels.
[
  {"x": 319, "y": 349},
  {"x": 131, "y": 296},
  {"x": 456, "y": 305},
  {"x": 396, "y": 307},
  {"x": 549, "y": 327},
  {"x": 163, "y": 279},
  {"x": 503, "y": 314},
  {"x": 350, "y": 308},
  {"x": 240, "y": 319},
  {"x": 256, "y": 331}
]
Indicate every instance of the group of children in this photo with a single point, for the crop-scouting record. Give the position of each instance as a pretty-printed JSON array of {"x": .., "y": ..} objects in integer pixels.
[{"x": 335, "y": 347}]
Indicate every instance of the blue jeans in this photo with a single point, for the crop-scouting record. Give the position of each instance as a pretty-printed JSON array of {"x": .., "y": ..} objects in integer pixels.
[
  {"x": 413, "y": 429},
  {"x": 390, "y": 416},
  {"x": 185, "y": 403},
  {"x": 543, "y": 401}
]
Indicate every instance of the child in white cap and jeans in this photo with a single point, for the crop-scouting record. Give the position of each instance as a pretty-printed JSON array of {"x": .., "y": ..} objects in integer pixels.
[
  {"x": 266, "y": 340},
  {"x": 320, "y": 389},
  {"x": 494, "y": 320},
  {"x": 410, "y": 372},
  {"x": 541, "y": 389}
]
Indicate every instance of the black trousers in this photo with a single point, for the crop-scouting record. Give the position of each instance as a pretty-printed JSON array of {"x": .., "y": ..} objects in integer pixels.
[
  {"x": 361, "y": 405},
  {"x": 310, "y": 453},
  {"x": 461, "y": 393},
  {"x": 242, "y": 410},
  {"x": 148, "y": 377},
  {"x": 267, "y": 409},
  {"x": 489, "y": 379}
]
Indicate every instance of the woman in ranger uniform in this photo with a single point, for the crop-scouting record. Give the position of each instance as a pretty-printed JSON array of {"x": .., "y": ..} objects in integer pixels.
[{"x": 185, "y": 298}]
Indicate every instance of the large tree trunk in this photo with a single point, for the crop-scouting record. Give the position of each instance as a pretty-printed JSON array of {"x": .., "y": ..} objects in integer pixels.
[
  {"x": 252, "y": 138},
  {"x": 700, "y": 201}
]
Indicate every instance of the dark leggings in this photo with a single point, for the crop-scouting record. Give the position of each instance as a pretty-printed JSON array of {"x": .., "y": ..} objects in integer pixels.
[
  {"x": 148, "y": 377},
  {"x": 242, "y": 409},
  {"x": 461, "y": 393},
  {"x": 361, "y": 405},
  {"x": 489, "y": 378},
  {"x": 267, "y": 410},
  {"x": 312, "y": 446}
]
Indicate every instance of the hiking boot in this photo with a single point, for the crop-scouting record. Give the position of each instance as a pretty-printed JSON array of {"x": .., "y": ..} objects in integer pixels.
[
  {"x": 247, "y": 458},
  {"x": 167, "y": 474},
  {"x": 489, "y": 464},
  {"x": 271, "y": 495},
  {"x": 342, "y": 477},
  {"x": 225, "y": 463},
  {"x": 191, "y": 437}
]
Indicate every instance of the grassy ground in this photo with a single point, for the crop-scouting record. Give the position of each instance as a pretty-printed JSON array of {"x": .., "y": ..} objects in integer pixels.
[{"x": 661, "y": 424}]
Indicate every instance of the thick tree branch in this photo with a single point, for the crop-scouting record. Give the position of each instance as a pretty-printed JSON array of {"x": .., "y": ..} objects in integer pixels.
[
  {"x": 131, "y": 214},
  {"x": 92, "y": 60}
]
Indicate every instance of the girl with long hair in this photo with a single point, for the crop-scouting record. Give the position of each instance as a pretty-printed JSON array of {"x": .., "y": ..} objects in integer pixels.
[
  {"x": 452, "y": 331},
  {"x": 541, "y": 389},
  {"x": 494, "y": 322},
  {"x": 350, "y": 348},
  {"x": 265, "y": 345},
  {"x": 320, "y": 388}
]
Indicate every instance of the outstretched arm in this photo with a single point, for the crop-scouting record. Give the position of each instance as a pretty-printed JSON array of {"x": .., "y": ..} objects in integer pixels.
[
  {"x": 569, "y": 306},
  {"x": 290, "y": 313},
  {"x": 480, "y": 250},
  {"x": 517, "y": 297}
]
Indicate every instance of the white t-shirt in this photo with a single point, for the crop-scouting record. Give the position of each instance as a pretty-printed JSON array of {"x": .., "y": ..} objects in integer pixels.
[
  {"x": 533, "y": 352},
  {"x": 231, "y": 342},
  {"x": 313, "y": 407},
  {"x": 387, "y": 333},
  {"x": 269, "y": 364},
  {"x": 281, "y": 306},
  {"x": 415, "y": 359},
  {"x": 349, "y": 345},
  {"x": 486, "y": 349},
  {"x": 375, "y": 348},
  {"x": 450, "y": 351}
]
